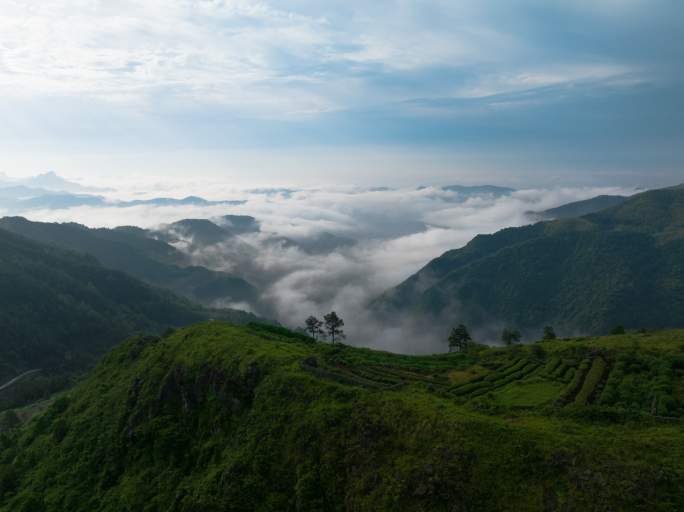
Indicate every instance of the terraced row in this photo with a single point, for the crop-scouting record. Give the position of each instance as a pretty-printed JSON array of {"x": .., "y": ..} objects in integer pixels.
[
  {"x": 596, "y": 380},
  {"x": 515, "y": 372},
  {"x": 405, "y": 375}
]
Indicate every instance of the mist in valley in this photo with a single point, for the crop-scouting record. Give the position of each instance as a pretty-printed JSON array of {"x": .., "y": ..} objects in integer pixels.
[{"x": 311, "y": 251}]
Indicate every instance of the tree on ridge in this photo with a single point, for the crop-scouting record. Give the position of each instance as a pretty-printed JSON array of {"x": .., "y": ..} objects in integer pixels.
[
  {"x": 333, "y": 326},
  {"x": 510, "y": 336},
  {"x": 459, "y": 338},
  {"x": 314, "y": 327}
]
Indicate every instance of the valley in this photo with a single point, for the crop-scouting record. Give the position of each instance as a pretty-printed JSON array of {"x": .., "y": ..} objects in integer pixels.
[{"x": 296, "y": 256}]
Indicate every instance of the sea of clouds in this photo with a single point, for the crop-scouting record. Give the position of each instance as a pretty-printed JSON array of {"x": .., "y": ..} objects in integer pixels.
[{"x": 397, "y": 231}]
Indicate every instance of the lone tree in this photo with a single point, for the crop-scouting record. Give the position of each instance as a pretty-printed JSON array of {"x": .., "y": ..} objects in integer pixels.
[
  {"x": 314, "y": 327},
  {"x": 333, "y": 326},
  {"x": 549, "y": 333},
  {"x": 459, "y": 338},
  {"x": 510, "y": 336}
]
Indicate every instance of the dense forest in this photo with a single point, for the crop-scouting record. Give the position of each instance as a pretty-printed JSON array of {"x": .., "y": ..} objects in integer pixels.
[
  {"x": 61, "y": 310},
  {"x": 138, "y": 253},
  {"x": 620, "y": 266}
]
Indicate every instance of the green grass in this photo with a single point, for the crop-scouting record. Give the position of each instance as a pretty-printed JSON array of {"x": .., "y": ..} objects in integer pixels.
[
  {"x": 217, "y": 417},
  {"x": 532, "y": 393}
]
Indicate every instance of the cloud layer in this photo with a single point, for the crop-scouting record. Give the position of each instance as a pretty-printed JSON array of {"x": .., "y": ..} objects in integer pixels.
[{"x": 397, "y": 231}]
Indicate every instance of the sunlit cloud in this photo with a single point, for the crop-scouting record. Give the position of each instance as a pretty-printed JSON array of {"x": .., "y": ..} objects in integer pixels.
[
  {"x": 394, "y": 232},
  {"x": 574, "y": 86}
]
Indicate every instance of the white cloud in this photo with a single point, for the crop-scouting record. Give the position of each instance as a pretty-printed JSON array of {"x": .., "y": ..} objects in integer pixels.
[
  {"x": 387, "y": 224},
  {"x": 257, "y": 59},
  {"x": 138, "y": 52}
]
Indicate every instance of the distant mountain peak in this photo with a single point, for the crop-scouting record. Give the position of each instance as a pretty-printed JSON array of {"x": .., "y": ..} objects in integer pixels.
[{"x": 50, "y": 180}]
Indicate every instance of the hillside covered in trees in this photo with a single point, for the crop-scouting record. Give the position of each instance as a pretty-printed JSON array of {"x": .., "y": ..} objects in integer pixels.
[
  {"x": 620, "y": 266},
  {"x": 144, "y": 255},
  {"x": 61, "y": 310},
  {"x": 579, "y": 208},
  {"x": 218, "y": 417}
]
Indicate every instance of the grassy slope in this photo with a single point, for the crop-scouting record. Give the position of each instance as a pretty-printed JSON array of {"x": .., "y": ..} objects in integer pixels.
[{"x": 219, "y": 417}]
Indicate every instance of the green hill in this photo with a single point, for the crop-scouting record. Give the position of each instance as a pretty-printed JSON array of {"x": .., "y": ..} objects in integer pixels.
[
  {"x": 136, "y": 252},
  {"x": 621, "y": 266},
  {"x": 579, "y": 208},
  {"x": 61, "y": 310},
  {"x": 217, "y": 417}
]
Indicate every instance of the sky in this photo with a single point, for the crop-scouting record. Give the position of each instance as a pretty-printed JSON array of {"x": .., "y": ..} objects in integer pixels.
[{"x": 522, "y": 93}]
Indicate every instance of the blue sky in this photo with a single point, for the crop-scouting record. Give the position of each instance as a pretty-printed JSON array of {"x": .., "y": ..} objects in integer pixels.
[{"x": 515, "y": 92}]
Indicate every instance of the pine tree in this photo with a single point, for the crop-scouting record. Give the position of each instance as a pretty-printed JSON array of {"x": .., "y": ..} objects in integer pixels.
[
  {"x": 459, "y": 338},
  {"x": 314, "y": 327},
  {"x": 333, "y": 326}
]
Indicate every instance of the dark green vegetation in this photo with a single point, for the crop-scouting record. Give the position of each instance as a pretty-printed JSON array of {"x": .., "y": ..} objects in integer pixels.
[
  {"x": 136, "y": 252},
  {"x": 60, "y": 311},
  {"x": 217, "y": 417},
  {"x": 579, "y": 208},
  {"x": 622, "y": 266}
]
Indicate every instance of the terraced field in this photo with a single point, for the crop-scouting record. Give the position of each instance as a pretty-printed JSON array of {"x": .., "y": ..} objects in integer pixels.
[
  {"x": 219, "y": 417},
  {"x": 640, "y": 373}
]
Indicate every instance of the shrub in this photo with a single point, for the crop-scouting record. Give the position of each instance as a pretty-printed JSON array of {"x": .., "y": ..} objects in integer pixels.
[
  {"x": 538, "y": 351},
  {"x": 551, "y": 365},
  {"x": 610, "y": 393},
  {"x": 598, "y": 368},
  {"x": 560, "y": 370},
  {"x": 571, "y": 388}
]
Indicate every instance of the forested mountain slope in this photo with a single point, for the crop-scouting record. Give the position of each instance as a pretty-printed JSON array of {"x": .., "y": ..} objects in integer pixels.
[
  {"x": 136, "y": 252},
  {"x": 60, "y": 310},
  {"x": 579, "y": 208},
  {"x": 621, "y": 266}
]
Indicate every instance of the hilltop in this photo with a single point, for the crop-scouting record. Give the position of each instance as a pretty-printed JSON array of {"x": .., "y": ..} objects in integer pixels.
[{"x": 217, "y": 417}]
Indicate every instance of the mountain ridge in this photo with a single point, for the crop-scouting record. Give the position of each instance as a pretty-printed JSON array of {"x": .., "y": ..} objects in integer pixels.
[
  {"x": 582, "y": 275},
  {"x": 138, "y": 253},
  {"x": 62, "y": 309},
  {"x": 578, "y": 208},
  {"x": 217, "y": 417}
]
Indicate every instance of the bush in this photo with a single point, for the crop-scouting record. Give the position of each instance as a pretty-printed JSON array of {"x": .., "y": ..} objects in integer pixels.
[
  {"x": 551, "y": 365},
  {"x": 598, "y": 367},
  {"x": 281, "y": 331},
  {"x": 571, "y": 388},
  {"x": 560, "y": 370},
  {"x": 506, "y": 371},
  {"x": 538, "y": 351},
  {"x": 610, "y": 393}
]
